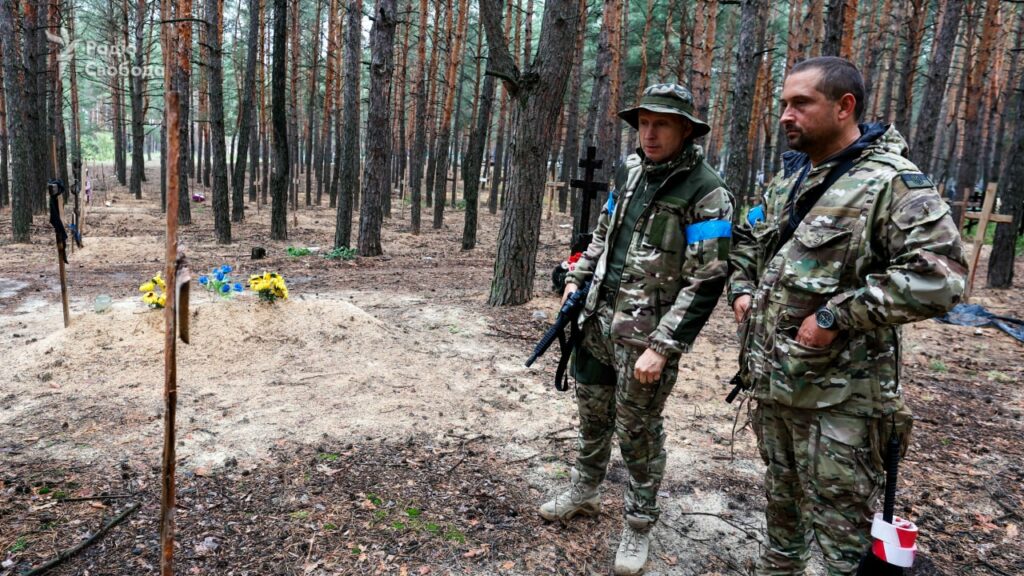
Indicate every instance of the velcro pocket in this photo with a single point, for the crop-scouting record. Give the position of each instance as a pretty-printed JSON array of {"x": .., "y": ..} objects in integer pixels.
[
  {"x": 814, "y": 237},
  {"x": 918, "y": 210}
]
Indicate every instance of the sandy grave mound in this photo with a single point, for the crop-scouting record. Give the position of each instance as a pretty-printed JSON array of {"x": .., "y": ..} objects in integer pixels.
[{"x": 256, "y": 373}]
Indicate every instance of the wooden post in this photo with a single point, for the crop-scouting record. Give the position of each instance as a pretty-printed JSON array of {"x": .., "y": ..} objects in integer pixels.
[
  {"x": 57, "y": 219},
  {"x": 588, "y": 189},
  {"x": 552, "y": 186},
  {"x": 983, "y": 218}
]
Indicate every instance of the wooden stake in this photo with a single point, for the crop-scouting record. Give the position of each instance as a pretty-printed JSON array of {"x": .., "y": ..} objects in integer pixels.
[
  {"x": 54, "y": 193},
  {"x": 983, "y": 218}
]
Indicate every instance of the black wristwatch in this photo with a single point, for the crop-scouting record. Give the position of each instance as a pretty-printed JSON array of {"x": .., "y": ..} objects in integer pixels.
[{"x": 826, "y": 319}]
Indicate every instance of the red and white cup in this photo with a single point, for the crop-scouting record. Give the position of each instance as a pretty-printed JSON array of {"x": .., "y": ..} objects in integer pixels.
[{"x": 895, "y": 542}]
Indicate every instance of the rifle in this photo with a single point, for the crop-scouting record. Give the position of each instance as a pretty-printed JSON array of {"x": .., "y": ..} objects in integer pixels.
[{"x": 567, "y": 316}]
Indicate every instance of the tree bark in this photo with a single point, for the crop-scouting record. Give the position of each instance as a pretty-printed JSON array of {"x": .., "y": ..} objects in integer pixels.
[
  {"x": 378, "y": 133},
  {"x": 705, "y": 23},
  {"x": 935, "y": 86},
  {"x": 21, "y": 208},
  {"x": 219, "y": 153},
  {"x": 245, "y": 117},
  {"x": 474, "y": 157},
  {"x": 913, "y": 30},
  {"x": 571, "y": 148},
  {"x": 542, "y": 84},
  {"x": 348, "y": 193},
  {"x": 754, "y": 15},
  {"x": 420, "y": 131},
  {"x": 138, "y": 88},
  {"x": 444, "y": 129},
  {"x": 969, "y": 158},
  {"x": 183, "y": 74},
  {"x": 280, "y": 176},
  {"x": 311, "y": 109},
  {"x": 1011, "y": 199}
]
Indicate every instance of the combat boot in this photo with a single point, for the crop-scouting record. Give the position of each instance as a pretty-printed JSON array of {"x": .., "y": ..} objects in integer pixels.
[
  {"x": 580, "y": 498},
  {"x": 632, "y": 553}
]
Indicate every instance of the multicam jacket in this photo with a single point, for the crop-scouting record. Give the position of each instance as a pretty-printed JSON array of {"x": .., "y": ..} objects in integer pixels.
[
  {"x": 878, "y": 249},
  {"x": 676, "y": 267}
]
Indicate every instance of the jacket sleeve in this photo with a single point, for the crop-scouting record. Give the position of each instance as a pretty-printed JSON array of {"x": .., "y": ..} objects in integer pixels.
[
  {"x": 705, "y": 270},
  {"x": 742, "y": 261},
  {"x": 926, "y": 263},
  {"x": 584, "y": 269}
]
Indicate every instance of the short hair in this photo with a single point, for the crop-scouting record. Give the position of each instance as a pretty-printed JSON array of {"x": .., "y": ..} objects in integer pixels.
[{"x": 838, "y": 77}]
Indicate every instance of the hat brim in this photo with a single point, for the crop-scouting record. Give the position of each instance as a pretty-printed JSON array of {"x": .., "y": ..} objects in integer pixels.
[{"x": 632, "y": 117}]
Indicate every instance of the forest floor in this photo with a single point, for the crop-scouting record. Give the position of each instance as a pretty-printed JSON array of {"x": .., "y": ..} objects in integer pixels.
[{"x": 380, "y": 420}]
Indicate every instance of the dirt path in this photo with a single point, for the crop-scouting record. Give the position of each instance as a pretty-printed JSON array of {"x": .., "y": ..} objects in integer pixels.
[{"x": 381, "y": 421}]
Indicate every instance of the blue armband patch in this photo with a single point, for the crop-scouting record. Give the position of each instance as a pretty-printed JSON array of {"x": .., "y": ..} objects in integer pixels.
[
  {"x": 755, "y": 215},
  {"x": 708, "y": 230},
  {"x": 610, "y": 205}
]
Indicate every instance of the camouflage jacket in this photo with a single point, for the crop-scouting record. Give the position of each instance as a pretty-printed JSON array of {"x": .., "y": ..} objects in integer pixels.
[
  {"x": 676, "y": 267},
  {"x": 879, "y": 249}
]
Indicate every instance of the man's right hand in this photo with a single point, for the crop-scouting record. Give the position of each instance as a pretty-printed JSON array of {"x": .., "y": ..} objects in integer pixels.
[
  {"x": 569, "y": 289},
  {"x": 741, "y": 307}
]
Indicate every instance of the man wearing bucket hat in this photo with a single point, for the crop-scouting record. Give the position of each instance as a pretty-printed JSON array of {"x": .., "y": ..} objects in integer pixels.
[
  {"x": 850, "y": 242},
  {"x": 657, "y": 266}
]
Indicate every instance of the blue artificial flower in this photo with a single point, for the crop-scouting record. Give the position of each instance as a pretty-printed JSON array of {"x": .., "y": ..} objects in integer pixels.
[
  {"x": 225, "y": 269},
  {"x": 224, "y": 288},
  {"x": 204, "y": 280},
  {"x": 237, "y": 287},
  {"x": 219, "y": 276}
]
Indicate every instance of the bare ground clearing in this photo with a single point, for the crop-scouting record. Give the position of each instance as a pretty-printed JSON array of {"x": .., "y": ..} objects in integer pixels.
[{"x": 380, "y": 421}]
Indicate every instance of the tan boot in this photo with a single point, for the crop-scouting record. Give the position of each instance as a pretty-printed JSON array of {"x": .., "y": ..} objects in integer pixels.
[
  {"x": 580, "y": 498},
  {"x": 632, "y": 553}
]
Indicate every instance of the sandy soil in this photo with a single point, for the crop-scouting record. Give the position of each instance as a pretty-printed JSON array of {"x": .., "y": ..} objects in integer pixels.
[{"x": 396, "y": 366}]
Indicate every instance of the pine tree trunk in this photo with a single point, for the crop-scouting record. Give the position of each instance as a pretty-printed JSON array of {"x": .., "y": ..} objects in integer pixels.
[
  {"x": 1011, "y": 199},
  {"x": 834, "y": 26},
  {"x": 401, "y": 165},
  {"x": 17, "y": 128},
  {"x": 378, "y": 133},
  {"x": 515, "y": 266},
  {"x": 571, "y": 148},
  {"x": 1008, "y": 98},
  {"x": 348, "y": 193},
  {"x": 311, "y": 109},
  {"x": 432, "y": 106},
  {"x": 5, "y": 190},
  {"x": 183, "y": 75},
  {"x": 666, "y": 37},
  {"x": 913, "y": 30},
  {"x": 475, "y": 156},
  {"x": 420, "y": 131},
  {"x": 293, "y": 107},
  {"x": 76, "y": 132},
  {"x": 246, "y": 118},
  {"x": 935, "y": 86},
  {"x": 754, "y": 15},
  {"x": 686, "y": 31},
  {"x": 705, "y": 23},
  {"x": 138, "y": 88},
  {"x": 219, "y": 153},
  {"x": 280, "y": 177},
  {"x": 444, "y": 129},
  {"x": 969, "y": 159}
]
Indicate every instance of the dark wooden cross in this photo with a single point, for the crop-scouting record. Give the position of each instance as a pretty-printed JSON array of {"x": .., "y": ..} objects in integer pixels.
[{"x": 588, "y": 189}]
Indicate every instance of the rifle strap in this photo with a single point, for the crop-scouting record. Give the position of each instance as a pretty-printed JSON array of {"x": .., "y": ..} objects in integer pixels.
[
  {"x": 566, "y": 345},
  {"x": 797, "y": 208}
]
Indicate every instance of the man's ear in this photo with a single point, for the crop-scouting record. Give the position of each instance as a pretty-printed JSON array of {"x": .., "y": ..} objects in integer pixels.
[{"x": 847, "y": 106}]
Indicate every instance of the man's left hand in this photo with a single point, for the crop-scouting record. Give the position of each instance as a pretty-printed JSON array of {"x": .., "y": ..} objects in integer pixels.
[
  {"x": 814, "y": 336},
  {"x": 649, "y": 366}
]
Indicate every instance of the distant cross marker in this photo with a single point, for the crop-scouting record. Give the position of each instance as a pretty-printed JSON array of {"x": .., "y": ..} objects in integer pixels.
[
  {"x": 983, "y": 218},
  {"x": 588, "y": 188}
]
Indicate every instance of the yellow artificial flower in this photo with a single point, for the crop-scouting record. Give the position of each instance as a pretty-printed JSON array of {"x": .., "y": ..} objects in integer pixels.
[
  {"x": 159, "y": 281},
  {"x": 147, "y": 287}
]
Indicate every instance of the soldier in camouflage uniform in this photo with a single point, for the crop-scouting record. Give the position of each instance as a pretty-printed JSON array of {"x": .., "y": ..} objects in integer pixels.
[
  {"x": 657, "y": 266},
  {"x": 820, "y": 300}
]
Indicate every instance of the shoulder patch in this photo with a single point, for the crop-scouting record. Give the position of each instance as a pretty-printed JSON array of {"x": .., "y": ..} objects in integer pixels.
[{"x": 916, "y": 180}]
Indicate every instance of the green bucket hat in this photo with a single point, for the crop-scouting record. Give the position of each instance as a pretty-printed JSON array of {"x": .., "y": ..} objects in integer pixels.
[{"x": 666, "y": 99}]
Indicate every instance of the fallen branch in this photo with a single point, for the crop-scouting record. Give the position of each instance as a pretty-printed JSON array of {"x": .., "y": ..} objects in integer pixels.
[
  {"x": 61, "y": 557},
  {"x": 100, "y": 497}
]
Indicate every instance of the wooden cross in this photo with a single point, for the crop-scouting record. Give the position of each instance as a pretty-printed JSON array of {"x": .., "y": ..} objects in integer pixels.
[
  {"x": 588, "y": 188},
  {"x": 983, "y": 218}
]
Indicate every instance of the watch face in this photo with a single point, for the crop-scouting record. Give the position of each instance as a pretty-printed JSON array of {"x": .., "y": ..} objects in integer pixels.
[{"x": 825, "y": 318}]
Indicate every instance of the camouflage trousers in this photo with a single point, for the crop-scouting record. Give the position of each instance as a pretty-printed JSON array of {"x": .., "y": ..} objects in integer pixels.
[
  {"x": 611, "y": 400},
  {"x": 823, "y": 479}
]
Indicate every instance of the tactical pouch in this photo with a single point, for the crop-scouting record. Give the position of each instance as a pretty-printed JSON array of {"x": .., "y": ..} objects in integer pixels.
[
  {"x": 902, "y": 423},
  {"x": 587, "y": 369}
]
